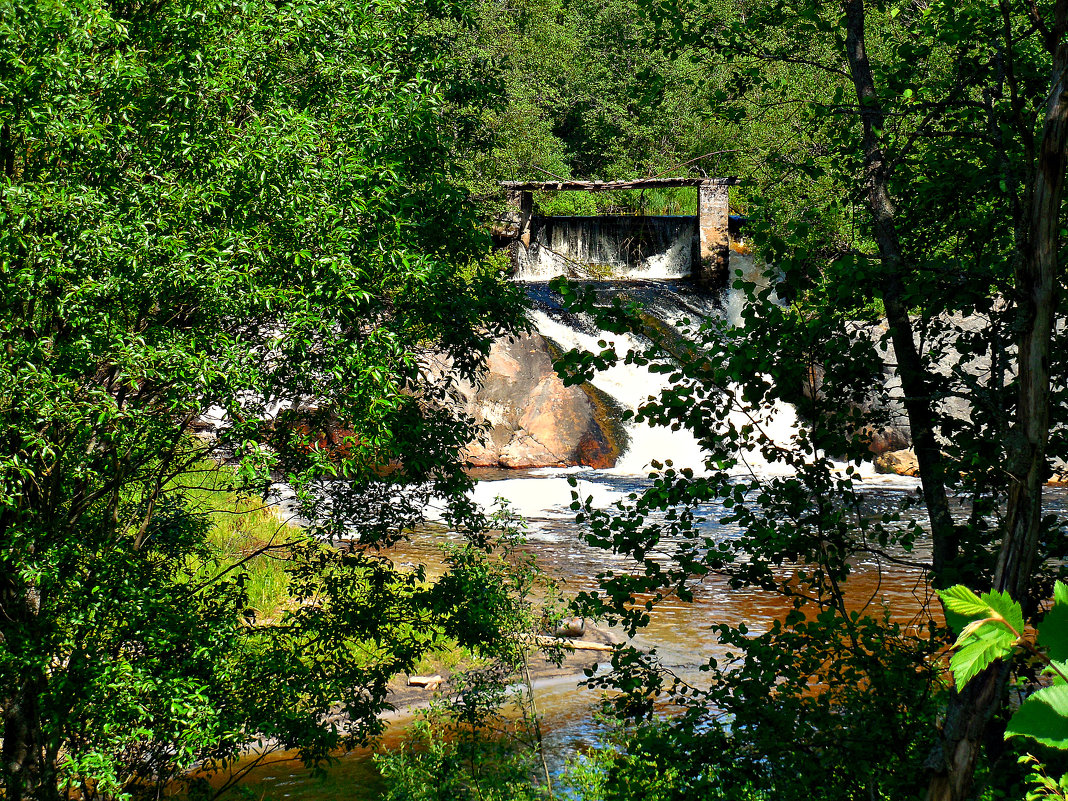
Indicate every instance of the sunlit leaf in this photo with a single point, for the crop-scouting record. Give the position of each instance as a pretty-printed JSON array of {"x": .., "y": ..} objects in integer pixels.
[
  {"x": 963, "y": 601},
  {"x": 1043, "y": 717},
  {"x": 989, "y": 643}
]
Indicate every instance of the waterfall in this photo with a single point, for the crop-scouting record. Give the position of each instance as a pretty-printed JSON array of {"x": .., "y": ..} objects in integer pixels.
[
  {"x": 630, "y": 385},
  {"x": 543, "y": 494},
  {"x": 608, "y": 247}
]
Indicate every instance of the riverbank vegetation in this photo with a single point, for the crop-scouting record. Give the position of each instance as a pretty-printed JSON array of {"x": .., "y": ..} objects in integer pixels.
[
  {"x": 239, "y": 218},
  {"x": 240, "y": 531}
]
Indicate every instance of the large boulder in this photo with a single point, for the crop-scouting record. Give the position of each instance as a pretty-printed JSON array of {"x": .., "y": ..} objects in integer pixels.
[
  {"x": 532, "y": 418},
  {"x": 887, "y": 438}
]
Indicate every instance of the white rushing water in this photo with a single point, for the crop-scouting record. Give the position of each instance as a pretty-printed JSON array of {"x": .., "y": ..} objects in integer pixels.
[
  {"x": 631, "y": 385},
  {"x": 545, "y": 494},
  {"x": 627, "y": 247}
]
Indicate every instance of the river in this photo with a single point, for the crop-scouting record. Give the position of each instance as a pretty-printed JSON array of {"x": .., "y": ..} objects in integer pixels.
[{"x": 681, "y": 632}]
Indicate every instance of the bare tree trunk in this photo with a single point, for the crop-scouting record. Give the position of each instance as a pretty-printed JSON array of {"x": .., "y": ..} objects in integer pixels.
[
  {"x": 970, "y": 710},
  {"x": 914, "y": 379}
]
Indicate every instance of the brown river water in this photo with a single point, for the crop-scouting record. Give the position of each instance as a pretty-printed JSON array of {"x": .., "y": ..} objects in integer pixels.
[{"x": 679, "y": 631}]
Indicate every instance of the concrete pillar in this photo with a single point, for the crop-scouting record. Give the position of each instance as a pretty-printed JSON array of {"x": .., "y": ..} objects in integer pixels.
[
  {"x": 713, "y": 232},
  {"x": 520, "y": 210}
]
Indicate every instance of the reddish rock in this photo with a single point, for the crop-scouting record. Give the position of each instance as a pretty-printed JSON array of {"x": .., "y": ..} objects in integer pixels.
[
  {"x": 902, "y": 463},
  {"x": 888, "y": 439},
  {"x": 319, "y": 427}
]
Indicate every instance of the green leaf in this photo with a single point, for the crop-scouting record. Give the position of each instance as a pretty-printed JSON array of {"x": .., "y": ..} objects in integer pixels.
[
  {"x": 1008, "y": 609},
  {"x": 955, "y": 622},
  {"x": 1043, "y": 717},
  {"x": 990, "y": 642},
  {"x": 1060, "y": 593},
  {"x": 963, "y": 601},
  {"x": 1053, "y": 633},
  {"x": 1052, "y": 671}
]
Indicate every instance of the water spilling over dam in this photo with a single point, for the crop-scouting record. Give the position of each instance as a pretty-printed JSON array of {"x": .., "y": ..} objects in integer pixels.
[
  {"x": 623, "y": 246},
  {"x": 620, "y": 247}
]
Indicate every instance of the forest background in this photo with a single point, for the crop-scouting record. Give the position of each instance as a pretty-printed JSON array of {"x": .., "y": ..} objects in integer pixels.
[{"x": 239, "y": 207}]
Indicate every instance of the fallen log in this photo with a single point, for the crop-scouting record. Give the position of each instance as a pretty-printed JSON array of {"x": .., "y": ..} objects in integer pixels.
[
  {"x": 563, "y": 642},
  {"x": 429, "y": 682}
]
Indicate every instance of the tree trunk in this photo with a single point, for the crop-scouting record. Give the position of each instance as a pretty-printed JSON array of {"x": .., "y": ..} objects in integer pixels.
[
  {"x": 970, "y": 710},
  {"x": 914, "y": 379},
  {"x": 25, "y": 772}
]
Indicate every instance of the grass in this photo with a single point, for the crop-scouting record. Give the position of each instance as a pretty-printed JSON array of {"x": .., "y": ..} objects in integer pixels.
[
  {"x": 240, "y": 529},
  {"x": 653, "y": 202},
  {"x": 451, "y": 658}
]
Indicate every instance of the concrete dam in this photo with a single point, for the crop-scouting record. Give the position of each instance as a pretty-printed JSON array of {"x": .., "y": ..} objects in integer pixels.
[{"x": 619, "y": 246}]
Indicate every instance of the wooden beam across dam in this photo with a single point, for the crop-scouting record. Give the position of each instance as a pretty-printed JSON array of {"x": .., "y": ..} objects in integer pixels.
[
  {"x": 608, "y": 186},
  {"x": 711, "y": 247}
]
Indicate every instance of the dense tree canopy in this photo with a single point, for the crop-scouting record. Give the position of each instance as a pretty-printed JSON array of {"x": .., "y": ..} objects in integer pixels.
[
  {"x": 243, "y": 213},
  {"x": 249, "y": 214}
]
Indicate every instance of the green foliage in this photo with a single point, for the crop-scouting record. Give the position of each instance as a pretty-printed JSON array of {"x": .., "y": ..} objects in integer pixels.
[
  {"x": 238, "y": 217},
  {"x": 496, "y": 602},
  {"x": 980, "y": 644},
  {"x": 583, "y": 91},
  {"x": 1042, "y": 786},
  {"x": 483, "y": 740},
  {"x": 1054, "y": 635},
  {"x": 995, "y": 632},
  {"x": 643, "y": 762},
  {"x": 902, "y": 192},
  {"x": 1043, "y": 717},
  {"x": 239, "y": 530},
  {"x": 439, "y": 763}
]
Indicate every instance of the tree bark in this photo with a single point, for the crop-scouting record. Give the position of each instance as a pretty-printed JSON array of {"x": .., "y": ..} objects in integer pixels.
[
  {"x": 970, "y": 709},
  {"x": 25, "y": 772},
  {"x": 914, "y": 378}
]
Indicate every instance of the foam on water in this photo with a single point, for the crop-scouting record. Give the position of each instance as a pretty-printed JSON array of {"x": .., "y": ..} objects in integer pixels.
[
  {"x": 544, "y": 496},
  {"x": 631, "y": 385}
]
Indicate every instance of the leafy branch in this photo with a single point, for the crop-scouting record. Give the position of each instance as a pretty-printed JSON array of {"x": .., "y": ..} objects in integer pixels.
[{"x": 993, "y": 628}]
